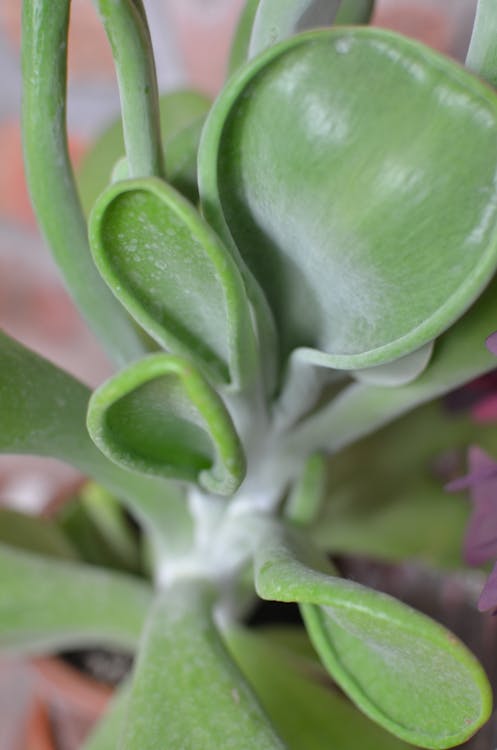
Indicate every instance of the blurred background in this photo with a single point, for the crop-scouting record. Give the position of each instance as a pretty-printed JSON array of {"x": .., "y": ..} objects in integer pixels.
[{"x": 191, "y": 41}]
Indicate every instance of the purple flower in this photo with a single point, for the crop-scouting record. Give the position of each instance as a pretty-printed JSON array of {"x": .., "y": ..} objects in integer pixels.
[{"x": 480, "y": 542}]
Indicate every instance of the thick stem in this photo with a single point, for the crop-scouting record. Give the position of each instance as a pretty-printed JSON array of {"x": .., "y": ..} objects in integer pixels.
[
  {"x": 129, "y": 37},
  {"x": 51, "y": 181}
]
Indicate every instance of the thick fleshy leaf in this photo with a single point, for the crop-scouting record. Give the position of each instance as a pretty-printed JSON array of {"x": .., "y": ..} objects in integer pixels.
[
  {"x": 48, "y": 604},
  {"x": 481, "y": 56},
  {"x": 304, "y": 161},
  {"x": 276, "y": 20},
  {"x": 241, "y": 39},
  {"x": 171, "y": 272},
  {"x": 50, "y": 178},
  {"x": 160, "y": 416},
  {"x": 187, "y": 692},
  {"x": 179, "y": 110},
  {"x": 460, "y": 355},
  {"x": 285, "y": 681},
  {"x": 402, "y": 669},
  {"x": 43, "y": 412},
  {"x": 400, "y": 371}
]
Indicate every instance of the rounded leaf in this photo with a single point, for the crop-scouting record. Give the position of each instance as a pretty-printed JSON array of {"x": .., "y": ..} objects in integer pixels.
[
  {"x": 356, "y": 172},
  {"x": 160, "y": 416},
  {"x": 174, "y": 276}
]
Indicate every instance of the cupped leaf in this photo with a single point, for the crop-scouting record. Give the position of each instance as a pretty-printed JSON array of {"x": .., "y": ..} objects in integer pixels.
[
  {"x": 402, "y": 669},
  {"x": 160, "y": 416},
  {"x": 306, "y": 708},
  {"x": 174, "y": 276},
  {"x": 187, "y": 692},
  {"x": 366, "y": 211},
  {"x": 179, "y": 111},
  {"x": 48, "y": 604}
]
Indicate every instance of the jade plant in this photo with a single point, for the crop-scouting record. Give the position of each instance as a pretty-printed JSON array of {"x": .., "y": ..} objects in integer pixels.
[{"x": 276, "y": 276}]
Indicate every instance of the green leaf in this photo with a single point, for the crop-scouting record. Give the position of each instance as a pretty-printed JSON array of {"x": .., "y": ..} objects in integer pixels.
[
  {"x": 241, "y": 40},
  {"x": 276, "y": 20},
  {"x": 482, "y": 52},
  {"x": 187, "y": 692},
  {"x": 50, "y": 178},
  {"x": 126, "y": 26},
  {"x": 459, "y": 356},
  {"x": 49, "y": 605},
  {"x": 400, "y": 371},
  {"x": 402, "y": 669},
  {"x": 179, "y": 111},
  {"x": 43, "y": 412},
  {"x": 34, "y": 534},
  {"x": 285, "y": 682},
  {"x": 174, "y": 276},
  {"x": 354, "y": 12},
  {"x": 303, "y": 149},
  {"x": 160, "y": 416}
]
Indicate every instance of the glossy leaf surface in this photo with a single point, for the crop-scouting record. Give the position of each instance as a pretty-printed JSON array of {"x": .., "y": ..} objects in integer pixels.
[
  {"x": 187, "y": 691},
  {"x": 174, "y": 276},
  {"x": 305, "y": 707},
  {"x": 318, "y": 146},
  {"x": 48, "y": 604},
  {"x": 179, "y": 111},
  {"x": 161, "y": 417},
  {"x": 402, "y": 669}
]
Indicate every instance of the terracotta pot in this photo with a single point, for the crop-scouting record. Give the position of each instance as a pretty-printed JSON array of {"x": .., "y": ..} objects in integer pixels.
[
  {"x": 38, "y": 733},
  {"x": 75, "y": 700}
]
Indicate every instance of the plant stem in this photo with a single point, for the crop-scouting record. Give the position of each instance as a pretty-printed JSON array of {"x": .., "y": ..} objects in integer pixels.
[
  {"x": 51, "y": 181},
  {"x": 126, "y": 26},
  {"x": 187, "y": 692},
  {"x": 482, "y": 53}
]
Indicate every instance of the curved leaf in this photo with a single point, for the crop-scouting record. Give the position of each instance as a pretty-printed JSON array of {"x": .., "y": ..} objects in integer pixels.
[
  {"x": 159, "y": 416},
  {"x": 284, "y": 681},
  {"x": 43, "y": 413},
  {"x": 402, "y": 669},
  {"x": 50, "y": 179},
  {"x": 400, "y": 371},
  {"x": 187, "y": 692},
  {"x": 307, "y": 156},
  {"x": 174, "y": 276},
  {"x": 179, "y": 111},
  {"x": 48, "y": 604},
  {"x": 482, "y": 53},
  {"x": 276, "y": 20},
  {"x": 459, "y": 356}
]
